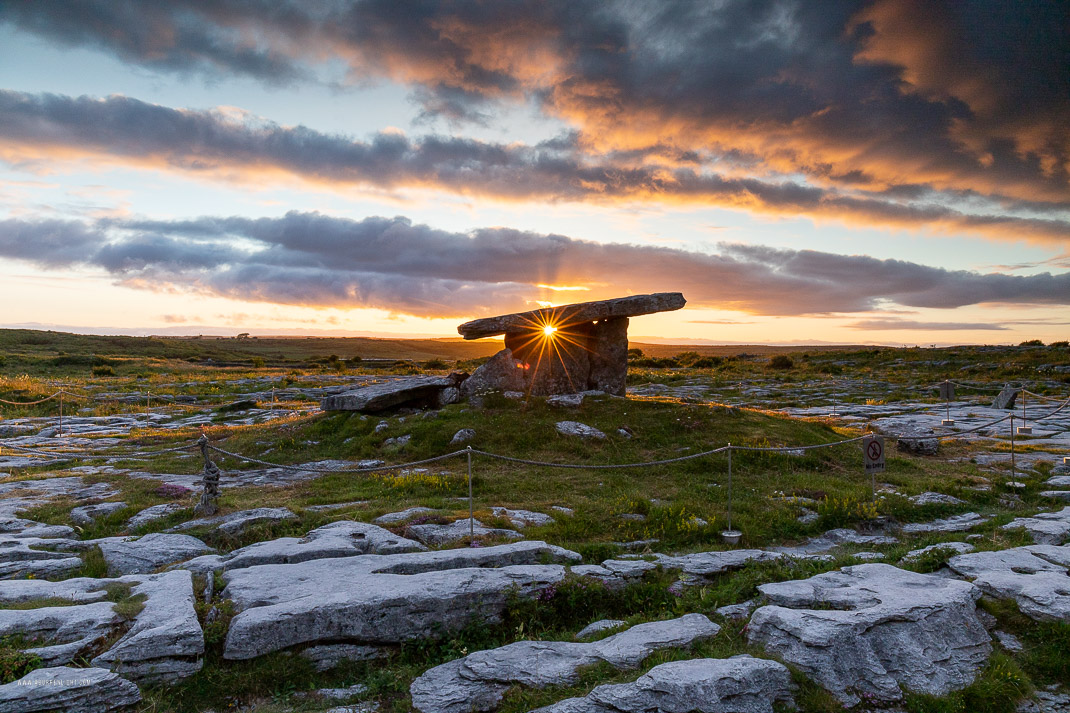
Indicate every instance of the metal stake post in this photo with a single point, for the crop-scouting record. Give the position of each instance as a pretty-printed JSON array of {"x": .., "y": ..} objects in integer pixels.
[
  {"x": 61, "y": 414},
  {"x": 471, "y": 507},
  {"x": 948, "y": 392},
  {"x": 729, "y": 487},
  {"x": 1013, "y": 470}
]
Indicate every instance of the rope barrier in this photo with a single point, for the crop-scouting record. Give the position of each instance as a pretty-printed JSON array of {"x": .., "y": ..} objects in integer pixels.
[
  {"x": 314, "y": 469},
  {"x": 585, "y": 466}
]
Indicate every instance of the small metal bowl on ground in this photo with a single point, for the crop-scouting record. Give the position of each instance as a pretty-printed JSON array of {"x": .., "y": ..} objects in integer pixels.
[{"x": 731, "y": 537}]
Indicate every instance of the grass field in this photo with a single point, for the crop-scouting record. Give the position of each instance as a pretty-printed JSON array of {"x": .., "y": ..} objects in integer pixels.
[{"x": 683, "y": 506}]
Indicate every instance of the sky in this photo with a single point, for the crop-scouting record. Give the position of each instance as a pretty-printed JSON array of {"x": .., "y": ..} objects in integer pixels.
[{"x": 862, "y": 172}]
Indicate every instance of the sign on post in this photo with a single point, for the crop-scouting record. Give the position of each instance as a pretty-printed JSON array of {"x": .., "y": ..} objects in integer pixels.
[
  {"x": 947, "y": 390},
  {"x": 873, "y": 454}
]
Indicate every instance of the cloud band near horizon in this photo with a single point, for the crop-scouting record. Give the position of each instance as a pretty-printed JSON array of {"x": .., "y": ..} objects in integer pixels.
[
  {"x": 43, "y": 130},
  {"x": 316, "y": 260}
]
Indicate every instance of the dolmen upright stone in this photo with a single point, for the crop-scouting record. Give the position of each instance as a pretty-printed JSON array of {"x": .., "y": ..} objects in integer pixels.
[
  {"x": 566, "y": 349},
  {"x": 377, "y": 600},
  {"x": 871, "y": 631}
]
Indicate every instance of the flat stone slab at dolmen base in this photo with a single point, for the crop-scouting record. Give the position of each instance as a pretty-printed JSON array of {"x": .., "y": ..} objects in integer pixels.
[{"x": 566, "y": 349}]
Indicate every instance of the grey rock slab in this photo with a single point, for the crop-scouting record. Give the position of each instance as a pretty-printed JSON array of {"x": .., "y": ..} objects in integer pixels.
[
  {"x": 402, "y": 516},
  {"x": 887, "y": 630},
  {"x": 597, "y": 627},
  {"x": 379, "y": 397},
  {"x": 1006, "y": 398},
  {"x": 165, "y": 643},
  {"x": 478, "y": 681},
  {"x": 154, "y": 512},
  {"x": 565, "y": 400},
  {"x": 1056, "y": 494},
  {"x": 1058, "y": 481},
  {"x": 502, "y": 372},
  {"x": 831, "y": 540},
  {"x": 522, "y": 518},
  {"x": 336, "y": 506},
  {"x": 236, "y": 522},
  {"x": 381, "y": 599},
  {"x": 741, "y": 684},
  {"x": 64, "y": 632},
  {"x": 148, "y": 553},
  {"x": 51, "y": 567},
  {"x": 930, "y": 498},
  {"x": 17, "y": 527},
  {"x": 72, "y": 690},
  {"x": 432, "y": 534},
  {"x": 955, "y": 523},
  {"x": 328, "y": 656},
  {"x": 86, "y": 514},
  {"x": 462, "y": 436},
  {"x": 343, "y": 538},
  {"x": 632, "y": 306},
  {"x": 1047, "y": 528},
  {"x": 1008, "y": 641},
  {"x": 740, "y": 612},
  {"x": 579, "y": 430},
  {"x": 947, "y": 547},
  {"x": 1035, "y": 577}
]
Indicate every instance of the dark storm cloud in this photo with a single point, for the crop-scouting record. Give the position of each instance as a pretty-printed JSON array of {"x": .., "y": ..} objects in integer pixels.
[
  {"x": 887, "y": 95},
  {"x": 34, "y": 128},
  {"x": 389, "y": 263}
]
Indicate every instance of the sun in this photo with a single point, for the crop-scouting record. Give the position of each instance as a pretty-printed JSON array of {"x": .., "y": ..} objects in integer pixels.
[{"x": 548, "y": 330}]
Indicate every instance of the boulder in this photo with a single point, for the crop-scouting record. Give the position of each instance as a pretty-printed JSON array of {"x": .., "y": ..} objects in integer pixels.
[
  {"x": 88, "y": 513},
  {"x": 1006, "y": 398},
  {"x": 597, "y": 627},
  {"x": 918, "y": 445},
  {"x": 871, "y": 631},
  {"x": 381, "y": 599},
  {"x": 741, "y": 684},
  {"x": 579, "y": 430},
  {"x": 478, "y": 681},
  {"x": 154, "y": 512},
  {"x": 522, "y": 518},
  {"x": 1034, "y": 576},
  {"x": 72, "y": 690},
  {"x": 462, "y": 436},
  {"x": 930, "y": 498},
  {"x": 419, "y": 390},
  {"x": 148, "y": 553},
  {"x": 502, "y": 372}
]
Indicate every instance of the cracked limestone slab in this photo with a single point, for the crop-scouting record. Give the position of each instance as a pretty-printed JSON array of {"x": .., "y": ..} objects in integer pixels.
[
  {"x": 695, "y": 568},
  {"x": 831, "y": 540},
  {"x": 381, "y": 599},
  {"x": 343, "y": 538},
  {"x": 1034, "y": 576},
  {"x": 741, "y": 684},
  {"x": 1046, "y": 528},
  {"x": 72, "y": 690},
  {"x": 478, "y": 681},
  {"x": 137, "y": 555},
  {"x": 163, "y": 644},
  {"x": 873, "y": 630},
  {"x": 955, "y": 523},
  {"x": 432, "y": 534},
  {"x": 522, "y": 518},
  {"x": 235, "y": 523}
]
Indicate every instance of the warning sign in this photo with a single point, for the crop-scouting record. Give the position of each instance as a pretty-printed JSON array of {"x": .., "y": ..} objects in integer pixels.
[
  {"x": 947, "y": 390},
  {"x": 873, "y": 454}
]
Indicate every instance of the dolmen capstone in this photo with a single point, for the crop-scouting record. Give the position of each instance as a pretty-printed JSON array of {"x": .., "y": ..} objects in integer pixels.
[{"x": 563, "y": 350}]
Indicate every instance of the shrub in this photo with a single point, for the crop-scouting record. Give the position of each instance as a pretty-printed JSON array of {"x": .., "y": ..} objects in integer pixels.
[
  {"x": 103, "y": 371},
  {"x": 781, "y": 361},
  {"x": 15, "y": 664},
  {"x": 258, "y": 362},
  {"x": 1032, "y": 343}
]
